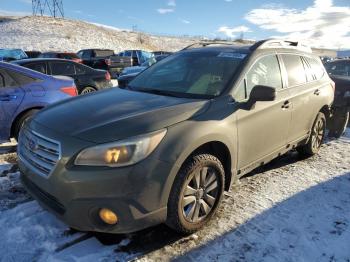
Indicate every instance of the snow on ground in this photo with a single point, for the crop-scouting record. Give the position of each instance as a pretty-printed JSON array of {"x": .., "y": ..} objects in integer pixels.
[
  {"x": 49, "y": 34},
  {"x": 289, "y": 210}
]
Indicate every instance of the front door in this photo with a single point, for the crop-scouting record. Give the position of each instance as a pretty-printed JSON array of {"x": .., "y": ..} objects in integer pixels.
[{"x": 263, "y": 129}]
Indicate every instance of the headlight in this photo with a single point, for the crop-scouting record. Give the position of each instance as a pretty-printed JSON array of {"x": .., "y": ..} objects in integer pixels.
[{"x": 121, "y": 153}]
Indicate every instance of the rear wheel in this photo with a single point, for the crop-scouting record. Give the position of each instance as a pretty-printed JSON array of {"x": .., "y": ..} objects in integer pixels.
[
  {"x": 196, "y": 193},
  {"x": 87, "y": 90},
  {"x": 20, "y": 121},
  {"x": 315, "y": 140}
]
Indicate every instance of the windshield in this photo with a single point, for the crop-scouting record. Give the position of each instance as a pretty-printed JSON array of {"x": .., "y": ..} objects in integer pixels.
[
  {"x": 12, "y": 53},
  {"x": 199, "y": 74}
]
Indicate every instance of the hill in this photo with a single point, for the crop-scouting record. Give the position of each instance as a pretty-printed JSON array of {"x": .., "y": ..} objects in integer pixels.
[{"x": 50, "y": 34}]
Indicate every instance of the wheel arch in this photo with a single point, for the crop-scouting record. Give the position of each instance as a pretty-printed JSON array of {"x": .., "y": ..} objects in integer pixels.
[{"x": 20, "y": 115}]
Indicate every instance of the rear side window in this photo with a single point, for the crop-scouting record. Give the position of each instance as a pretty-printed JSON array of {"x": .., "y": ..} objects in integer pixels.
[
  {"x": 80, "y": 70},
  {"x": 317, "y": 68},
  {"x": 39, "y": 67},
  {"x": 295, "y": 69},
  {"x": 6, "y": 80},
  {"x": 266, "y": 71},
  {"x": 62, "y": 68},
  {"x": 103, "y": 53},
  {"x": 22, "y": 79}
]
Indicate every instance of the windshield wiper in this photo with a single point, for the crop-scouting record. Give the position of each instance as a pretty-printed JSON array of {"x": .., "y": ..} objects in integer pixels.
[{"x": 157, "y": 91}]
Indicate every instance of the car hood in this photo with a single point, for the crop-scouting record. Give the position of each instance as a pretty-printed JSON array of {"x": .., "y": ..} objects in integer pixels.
[{"x": 115, "y": 114}]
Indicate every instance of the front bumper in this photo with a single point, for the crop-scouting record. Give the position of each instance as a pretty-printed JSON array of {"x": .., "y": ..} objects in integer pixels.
[{"x": 76, "y": 194}]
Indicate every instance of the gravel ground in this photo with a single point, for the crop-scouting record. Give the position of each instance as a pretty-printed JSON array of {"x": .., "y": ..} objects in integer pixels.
[{"x": 290, "y": 210}]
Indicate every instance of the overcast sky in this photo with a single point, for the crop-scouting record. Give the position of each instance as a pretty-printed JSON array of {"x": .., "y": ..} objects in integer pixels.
[{"x": 323, "y": 23}]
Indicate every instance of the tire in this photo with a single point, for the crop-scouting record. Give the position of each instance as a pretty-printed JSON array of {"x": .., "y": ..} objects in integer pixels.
[
  {"x": 20, "y": 121},
  {"x": 87, "y": 90},
  {"x": 339, "y": 123},
  {"x": 315, "y": 140},
  {"x": 194, "y": 198}
]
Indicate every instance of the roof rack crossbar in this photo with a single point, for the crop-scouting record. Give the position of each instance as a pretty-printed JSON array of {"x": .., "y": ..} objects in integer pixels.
[{"x": 207, "y": 43}]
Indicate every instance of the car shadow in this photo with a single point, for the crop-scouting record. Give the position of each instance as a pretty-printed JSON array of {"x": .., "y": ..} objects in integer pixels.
[
  {"x": 154, "y": 238},
  {"x": 312, "y": 225}
]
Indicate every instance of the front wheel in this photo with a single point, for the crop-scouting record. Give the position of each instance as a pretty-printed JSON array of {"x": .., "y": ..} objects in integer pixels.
[
  {"x": 315, "y": 140},
  {"x": 196, "y": 193}
]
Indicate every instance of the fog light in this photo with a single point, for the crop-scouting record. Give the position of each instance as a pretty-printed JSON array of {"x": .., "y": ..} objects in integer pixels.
[{"x": 108, "y": 216}]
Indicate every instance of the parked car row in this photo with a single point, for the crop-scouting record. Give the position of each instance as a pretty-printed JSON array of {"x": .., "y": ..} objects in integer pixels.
[{"x": 104, "y": 59}]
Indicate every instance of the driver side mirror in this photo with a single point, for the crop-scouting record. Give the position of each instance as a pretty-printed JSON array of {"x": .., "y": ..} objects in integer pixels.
[{"x": 260, "y": 93}]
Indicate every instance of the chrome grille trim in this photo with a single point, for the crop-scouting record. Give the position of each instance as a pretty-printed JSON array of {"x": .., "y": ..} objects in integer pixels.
[{"x": 40, "y": 153}]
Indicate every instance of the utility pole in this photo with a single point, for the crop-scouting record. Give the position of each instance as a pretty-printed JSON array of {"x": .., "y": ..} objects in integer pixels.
[{"x": 54, "y": 7}]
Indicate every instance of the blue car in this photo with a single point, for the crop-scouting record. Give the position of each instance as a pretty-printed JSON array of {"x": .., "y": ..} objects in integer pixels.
[{"x": 23, "y": 92}]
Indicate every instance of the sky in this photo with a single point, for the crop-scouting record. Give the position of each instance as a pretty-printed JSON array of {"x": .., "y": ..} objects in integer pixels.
[{"x": 322, "y": 23}]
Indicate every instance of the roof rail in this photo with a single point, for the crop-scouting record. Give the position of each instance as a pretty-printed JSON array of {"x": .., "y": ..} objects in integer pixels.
[
  {"x": 278, "y": 43},
  {"x": 206, "y": 43}
]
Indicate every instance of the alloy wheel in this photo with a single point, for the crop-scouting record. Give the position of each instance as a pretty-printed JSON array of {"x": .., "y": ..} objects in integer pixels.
[
  {"x": 200, "y": 194},
  {"x": 317, "y": 134},
  {"x": 87, "y": 90}
]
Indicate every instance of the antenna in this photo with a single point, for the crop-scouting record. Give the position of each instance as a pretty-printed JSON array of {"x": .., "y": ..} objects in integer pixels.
[{"x": 54, "y": 7}]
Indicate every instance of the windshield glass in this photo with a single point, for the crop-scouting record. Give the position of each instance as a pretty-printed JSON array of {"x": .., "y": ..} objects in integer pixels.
[
  {"x": 12, "y": 53},
  {"x": 199, "y": 74}
]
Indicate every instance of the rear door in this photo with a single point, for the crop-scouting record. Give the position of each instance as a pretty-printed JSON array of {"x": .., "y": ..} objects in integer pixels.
[
  {"x": 11, "y": 96},
  {"x": 303, "y": 88},
  {"x": 263, "y": 129},
  {"x": 64, "y": 68}
]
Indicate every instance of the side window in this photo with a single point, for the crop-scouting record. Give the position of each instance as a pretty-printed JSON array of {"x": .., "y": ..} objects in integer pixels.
[
  {"x": 7, "y": 80},
  {"x": 22, "y": 79},
  {"x": 266, "y": 71},
  {"x": 240, "y": 92},
  {"x": 317, "y": 67},
  {"x": 80, "y": 70},
  {"x": 85, "y": 54},
  {"x": 308, "y": 71},
  {"x": 295, "y": 69},
  {"x": 39, "y": 67},
  {"x": 62, "y": 68}
]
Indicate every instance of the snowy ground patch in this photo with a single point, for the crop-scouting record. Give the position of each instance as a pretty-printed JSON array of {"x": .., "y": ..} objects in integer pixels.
[{"x": 289, "y": 210}]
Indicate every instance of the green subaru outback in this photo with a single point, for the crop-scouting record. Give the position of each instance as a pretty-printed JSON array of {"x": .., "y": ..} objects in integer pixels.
[{"x": 165, "y": 148}]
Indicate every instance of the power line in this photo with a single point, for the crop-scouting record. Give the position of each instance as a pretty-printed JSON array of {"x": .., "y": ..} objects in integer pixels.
[{"x": 51, "y": 7}]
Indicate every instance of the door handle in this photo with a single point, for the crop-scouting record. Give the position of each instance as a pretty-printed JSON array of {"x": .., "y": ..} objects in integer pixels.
[
  {"x": 286, "y": 104},
  {"x": 8, "y": 97},
  {"x": 317, "y": 92}
]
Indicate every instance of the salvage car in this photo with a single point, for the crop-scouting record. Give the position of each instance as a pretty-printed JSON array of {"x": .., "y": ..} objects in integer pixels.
[
  {"x": 105, "y": 59},
  {"x": 339, "y": 71},
  {"x": 86, "y": 79},
  {"x": 61, "y": 55},
  {"x": 23, "y": 92},
  {"x": 164, "y": 149},
  {"x": 7, "y": 55}
]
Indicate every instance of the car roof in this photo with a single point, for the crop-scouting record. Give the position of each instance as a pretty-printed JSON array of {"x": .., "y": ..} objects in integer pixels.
[
  {"x": 26, "y": 61},
  {"x": 22, "y": 69}
]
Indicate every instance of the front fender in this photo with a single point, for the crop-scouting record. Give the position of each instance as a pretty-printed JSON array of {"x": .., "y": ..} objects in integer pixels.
[{"x": 184, "y": 138}]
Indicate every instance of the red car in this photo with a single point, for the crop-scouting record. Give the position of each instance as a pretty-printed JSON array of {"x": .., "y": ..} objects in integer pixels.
[{"x": 61, "y": 55}]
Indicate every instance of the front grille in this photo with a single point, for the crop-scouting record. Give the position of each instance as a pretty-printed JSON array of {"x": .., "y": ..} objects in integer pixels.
[
  {"x": 39, "y": 152},
  {"x": 45, "y": 197}
]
